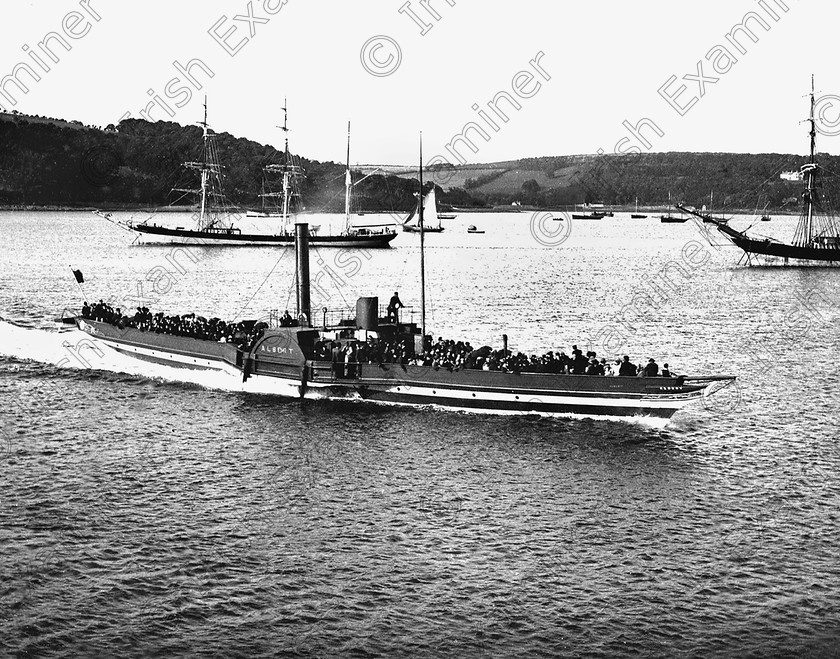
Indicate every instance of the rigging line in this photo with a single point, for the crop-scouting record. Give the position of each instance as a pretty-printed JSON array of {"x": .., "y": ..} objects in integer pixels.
[
  {"x": 332, "y": 278},
  {"x": 251, "y": 299},
  {"x": 289, "y": 294}
]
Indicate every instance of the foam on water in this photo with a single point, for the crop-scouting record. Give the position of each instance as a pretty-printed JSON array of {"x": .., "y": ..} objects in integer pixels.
[{"x": 74, "y": 349}]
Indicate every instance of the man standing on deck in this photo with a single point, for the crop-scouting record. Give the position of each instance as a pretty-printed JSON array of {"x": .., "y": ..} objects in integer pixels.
[
  {"x": 627, "y": 367},
  {"x": 393, "y": 305}
]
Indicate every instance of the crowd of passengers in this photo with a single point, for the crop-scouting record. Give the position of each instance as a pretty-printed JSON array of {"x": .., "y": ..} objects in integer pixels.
[
  {"x": 444, "y": 354},
  {"x": 189, "y": 325},
  {"x": 454, "y": 356}
]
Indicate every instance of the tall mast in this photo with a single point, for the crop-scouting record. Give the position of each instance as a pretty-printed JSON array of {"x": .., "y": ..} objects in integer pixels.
[
  {"x": 204, "y": 167},
  {"x": 810, "y": 188},
  {"x": 422, "y": 254},
  {"x": 348, "y": 183},
  {"x": 211, "y": 177},
  {"x": 285, "y": 129},
  {"x": 813, "y": 124}
]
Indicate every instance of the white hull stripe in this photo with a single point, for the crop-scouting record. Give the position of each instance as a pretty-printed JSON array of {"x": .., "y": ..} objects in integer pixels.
[{"x": 486, "y": 401}]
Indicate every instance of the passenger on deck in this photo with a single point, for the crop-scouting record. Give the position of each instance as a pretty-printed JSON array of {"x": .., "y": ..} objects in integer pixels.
[
  {"x": 393, "y": 306},
  {"x": 85, "y": 310},
  {"x": 627, "y": 367},
  {"x": 579, "y": 362},
  {"x": 286, "y": 320},
  {"x": 665, "y": 372},
  {"x": 337, "y": 360},
  {"x": 652, "y": 368},
  {"x": 350, "y": 361}
]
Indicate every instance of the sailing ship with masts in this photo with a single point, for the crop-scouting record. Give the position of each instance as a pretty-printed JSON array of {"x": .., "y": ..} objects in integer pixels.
[
  {"x": 817, "y": 237},
  {"x": 217, "y": 221},
  {"x": 306, "y": 359}
]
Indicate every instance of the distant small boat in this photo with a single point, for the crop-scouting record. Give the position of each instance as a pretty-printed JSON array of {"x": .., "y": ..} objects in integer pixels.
[
  {"x": 765, "y": 218},
  {"x": 637, "y": 215},
  {"x": 671, "y": 219},
  {"x": 430, "y": 215},
  {"x": 473, "y": 229},
  {"x": 446, "y": 216},
  {"x": 589, "y": 214}
]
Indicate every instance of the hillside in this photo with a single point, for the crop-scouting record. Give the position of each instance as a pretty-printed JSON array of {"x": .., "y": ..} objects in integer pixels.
[
  {"x": 47, "y": 161},
  {"x": 737, "y": 180},
  {"x": 136, "y": 164}
]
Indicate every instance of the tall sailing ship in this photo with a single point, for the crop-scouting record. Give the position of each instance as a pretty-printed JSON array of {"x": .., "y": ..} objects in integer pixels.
[
  {"x": 216, "y": 220},
  {"x": 817, "y": 236}
]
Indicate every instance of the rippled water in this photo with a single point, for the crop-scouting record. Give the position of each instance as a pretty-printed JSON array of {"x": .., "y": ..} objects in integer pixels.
[{"x": 149, "y": 511}]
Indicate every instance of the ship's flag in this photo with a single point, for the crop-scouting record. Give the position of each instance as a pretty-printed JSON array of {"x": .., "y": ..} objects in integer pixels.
[{"x": 80, "y": 279}]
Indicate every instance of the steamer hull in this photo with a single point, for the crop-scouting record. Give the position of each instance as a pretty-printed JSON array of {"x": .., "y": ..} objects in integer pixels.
[{"x": 277, "y": 364}]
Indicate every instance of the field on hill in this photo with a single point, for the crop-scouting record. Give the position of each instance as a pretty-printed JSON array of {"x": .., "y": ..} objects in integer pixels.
[{"x": 56, "y": 162}]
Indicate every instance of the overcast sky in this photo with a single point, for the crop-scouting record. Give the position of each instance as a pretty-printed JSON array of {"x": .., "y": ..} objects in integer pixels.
[{"x": 598, "y": 64}]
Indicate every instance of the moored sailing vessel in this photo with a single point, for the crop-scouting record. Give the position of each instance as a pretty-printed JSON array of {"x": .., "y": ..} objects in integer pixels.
[
  {"x": 429, "y": 203},
  {"x": 817, "y": 237},
  {"x": 216, "y": 220},
  {"x": 637, "y": 215},
  {"x": 672, "y": 219}
]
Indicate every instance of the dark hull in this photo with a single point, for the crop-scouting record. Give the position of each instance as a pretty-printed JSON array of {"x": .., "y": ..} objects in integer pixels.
[
  {"x": 783, "y": 250},
  {"x": 593, "y": 216},
  {"x": 669, "y": 219},
  {"x": 768, "y": 247},
  {"x": 637, "y": 216},
  {"x": 415, "y": 229},
  {"x": 235, "y": 237},
  {"x": 276, "y": 364}
]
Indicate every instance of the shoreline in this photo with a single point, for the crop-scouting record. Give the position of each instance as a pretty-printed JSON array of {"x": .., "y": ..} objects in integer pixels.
[{"x": 653, "y": 210}]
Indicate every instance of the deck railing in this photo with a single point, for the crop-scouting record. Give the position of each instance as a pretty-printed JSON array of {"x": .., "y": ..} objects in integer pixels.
[{"x": 344, "y": 317}]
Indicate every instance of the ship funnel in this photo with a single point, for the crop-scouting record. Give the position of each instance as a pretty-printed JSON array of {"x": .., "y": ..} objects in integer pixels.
[
  {"x": 367, "y": 313},
  {"x": 304, "y": 311}
]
